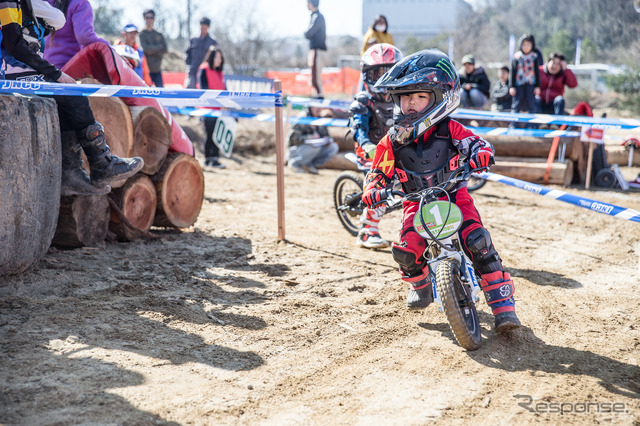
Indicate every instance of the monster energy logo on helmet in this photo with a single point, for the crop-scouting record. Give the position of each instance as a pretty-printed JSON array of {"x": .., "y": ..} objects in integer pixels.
[{"x": 446, "y": 67}]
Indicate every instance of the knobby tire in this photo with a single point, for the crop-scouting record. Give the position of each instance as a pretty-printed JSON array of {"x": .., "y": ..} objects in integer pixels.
[
  {"x": 348, "y": 185},
  {"x": 467, "y": 332}
]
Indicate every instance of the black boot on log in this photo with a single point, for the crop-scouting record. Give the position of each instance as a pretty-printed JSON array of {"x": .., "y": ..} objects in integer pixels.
[
  {"x": 75, "y": 181},
  {"x": 105, "y": 167}
]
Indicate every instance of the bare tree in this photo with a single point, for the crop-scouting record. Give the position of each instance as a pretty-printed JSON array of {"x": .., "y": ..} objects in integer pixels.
[{"x": 244, "y": 43}]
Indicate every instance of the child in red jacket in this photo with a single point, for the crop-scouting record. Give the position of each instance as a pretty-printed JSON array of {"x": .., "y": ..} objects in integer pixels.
[{"x": 423, "y": 148}]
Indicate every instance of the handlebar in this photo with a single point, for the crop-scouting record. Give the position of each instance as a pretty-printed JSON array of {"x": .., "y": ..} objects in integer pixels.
[{"x": 460, "y": 174}]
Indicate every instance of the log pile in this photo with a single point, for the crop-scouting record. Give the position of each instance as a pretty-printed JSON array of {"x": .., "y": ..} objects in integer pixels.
[{"x": 167, "y": 192}]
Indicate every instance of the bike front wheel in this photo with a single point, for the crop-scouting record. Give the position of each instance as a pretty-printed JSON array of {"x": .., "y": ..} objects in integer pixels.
[
  {"x": 458, "y": 305},
  {"x": 347, "y": 199},
  {"x": 475, "y": 183}
]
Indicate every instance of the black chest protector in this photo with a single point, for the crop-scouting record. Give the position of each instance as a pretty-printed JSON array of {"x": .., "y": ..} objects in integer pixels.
[
  {"x": 428, "y": 162},
  {"x": 381, "y": 120}
]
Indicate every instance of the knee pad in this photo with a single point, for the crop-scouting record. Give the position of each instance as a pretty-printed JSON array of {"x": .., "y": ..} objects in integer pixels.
[
  {"x": 409, "y": 258},
  {"x": 483, "y": 255}
]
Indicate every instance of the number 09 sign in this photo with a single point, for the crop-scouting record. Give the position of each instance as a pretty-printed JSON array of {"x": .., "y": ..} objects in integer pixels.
[{"x": 224, "y": 134}]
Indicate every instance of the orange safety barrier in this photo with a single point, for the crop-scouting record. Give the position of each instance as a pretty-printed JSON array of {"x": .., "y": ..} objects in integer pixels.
[{"x": 334, "y": 80}]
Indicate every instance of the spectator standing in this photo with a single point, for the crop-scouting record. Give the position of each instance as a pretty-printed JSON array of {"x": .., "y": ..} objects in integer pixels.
[
  {"x": 554, "y": 75},
  {"x": 524, "y": 78},
  {"x": 197, "y": 50},
  {"x": 500, "y": 97},
  {"x": 154, "y": 47},
  {"x": 310, "y": 146},
  {"x": 211, "y": 77},
  {"x": 377, "y": 33},
  {"x": 540, "y": 58},
  {"x": 317, "y": 36},
  {"x": 76, "y": 33},
  {"x": 474, "y": 82}
]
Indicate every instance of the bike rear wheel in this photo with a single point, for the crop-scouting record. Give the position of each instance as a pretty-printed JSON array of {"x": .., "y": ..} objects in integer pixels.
[
  {"x": 347, "y": 199},
  {"x": 458, "y": 305}
]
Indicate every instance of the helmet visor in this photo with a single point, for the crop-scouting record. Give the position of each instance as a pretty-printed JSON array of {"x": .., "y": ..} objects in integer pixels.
[{"x": 372, "y": 75}]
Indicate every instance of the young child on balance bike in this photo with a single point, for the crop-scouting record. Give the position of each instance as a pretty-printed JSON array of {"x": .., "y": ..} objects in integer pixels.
[
  {"x": 423, "y": 148},
  {"x": 371, "y": 117}
]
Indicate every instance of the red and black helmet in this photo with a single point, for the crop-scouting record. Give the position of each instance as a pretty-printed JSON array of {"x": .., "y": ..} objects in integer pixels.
[
  {"x": 424, "y": 71},
  {"x": 376, "y": 61}
]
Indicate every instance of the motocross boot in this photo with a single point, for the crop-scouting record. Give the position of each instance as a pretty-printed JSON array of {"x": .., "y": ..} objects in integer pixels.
[
  {"x": 420, "y": 294},
  {"x": 105, "y": 167},
  {"x": 498, "y": 290},
  {"x": 369, "y": 236},
  {"x": 75, "y": 180}
]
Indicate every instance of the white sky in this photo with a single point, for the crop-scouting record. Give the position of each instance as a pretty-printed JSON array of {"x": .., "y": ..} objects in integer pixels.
[{"x": 286, "y": 17}]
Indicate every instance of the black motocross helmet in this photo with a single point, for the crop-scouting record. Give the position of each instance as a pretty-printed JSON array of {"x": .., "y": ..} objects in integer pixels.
[{"x": 424, "y": 71}]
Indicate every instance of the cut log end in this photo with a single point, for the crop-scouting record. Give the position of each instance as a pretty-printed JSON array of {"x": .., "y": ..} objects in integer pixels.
[
  {"x": 136, "y": 202},
  {"x": 180, "y": 187},
  {"x": 83, "y": 221},
  {"x": 152, "y": 137}
]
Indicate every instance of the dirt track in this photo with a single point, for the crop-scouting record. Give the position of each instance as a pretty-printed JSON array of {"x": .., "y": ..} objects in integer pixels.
[{"x": 221, "y": 324}]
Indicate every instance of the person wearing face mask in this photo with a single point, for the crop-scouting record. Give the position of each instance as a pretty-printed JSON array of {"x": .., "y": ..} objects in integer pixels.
[{"x": 377, "y": 33}]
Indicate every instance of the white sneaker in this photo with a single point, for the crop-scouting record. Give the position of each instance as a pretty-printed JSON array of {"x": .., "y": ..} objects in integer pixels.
[{"x": 371, "y": 240}]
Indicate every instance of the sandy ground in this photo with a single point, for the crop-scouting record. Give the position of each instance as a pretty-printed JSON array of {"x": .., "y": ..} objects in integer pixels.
[{"x": 222, "y": 324}]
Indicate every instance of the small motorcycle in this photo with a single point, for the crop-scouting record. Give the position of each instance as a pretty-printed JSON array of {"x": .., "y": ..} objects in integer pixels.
[{"x": 455, "y": 283}]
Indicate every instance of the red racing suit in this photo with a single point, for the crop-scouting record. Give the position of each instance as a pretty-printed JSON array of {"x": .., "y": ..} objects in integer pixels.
[{"x": 462, "y": 142}]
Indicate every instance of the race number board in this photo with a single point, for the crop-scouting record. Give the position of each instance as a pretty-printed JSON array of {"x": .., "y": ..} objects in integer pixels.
[{"x": 224, "y": 134}]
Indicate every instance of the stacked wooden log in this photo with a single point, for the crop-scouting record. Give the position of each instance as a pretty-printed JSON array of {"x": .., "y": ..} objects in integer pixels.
[
  {"x": 525, "y": 158},
  {"x": 167, "y": 192},
  {"x": 29, "y": 180}
]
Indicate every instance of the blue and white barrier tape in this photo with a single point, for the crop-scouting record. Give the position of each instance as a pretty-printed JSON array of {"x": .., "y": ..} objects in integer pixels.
[
  {"x": 539, "y": 133},
  {"x": 587, "y": 203},
  {"x": 169, "y": 97},
  {"x": 312, "y": 121},
  {"x": 341, "y": 122},
  {"x": 569, "y": 120},
  {"x": 319, "y": 103}
]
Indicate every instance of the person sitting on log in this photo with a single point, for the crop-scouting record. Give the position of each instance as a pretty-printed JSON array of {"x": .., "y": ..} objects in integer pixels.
[
  {"x": 22, "y": 43},
  {"x": 310, "y": 147}
]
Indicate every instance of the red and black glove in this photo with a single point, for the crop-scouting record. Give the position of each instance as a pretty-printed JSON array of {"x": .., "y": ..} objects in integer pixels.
[
  {"x": 374, "y": 196},
  {"x": 483, "y": 157}
]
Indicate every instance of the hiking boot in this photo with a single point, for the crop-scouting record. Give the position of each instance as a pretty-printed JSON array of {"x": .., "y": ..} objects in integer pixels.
[
  {"x": 507, "y": 321},
  {"x": 372, "y": 240},
  {"x": 105, "y": 167},
  {"x": 75, "y": 180},
  {"x": 420, "y": 294}
]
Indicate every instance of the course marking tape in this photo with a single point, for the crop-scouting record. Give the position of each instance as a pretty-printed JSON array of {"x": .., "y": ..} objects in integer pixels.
[
  {"x": 319, "y": 103},
  {"x": 587, "y": 203},
  {"x": 539, "y": 133},
  {"x": 570, "y": 120},
  {"x": 312, "y": 121},
  {"x": 169, "y": 97}
]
